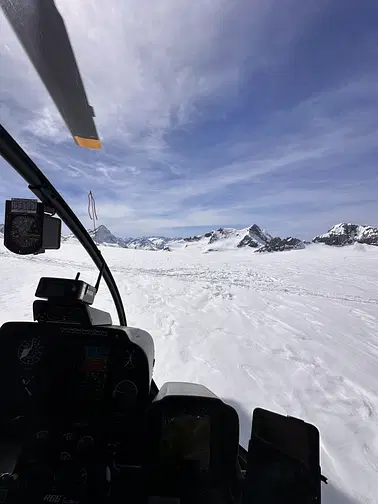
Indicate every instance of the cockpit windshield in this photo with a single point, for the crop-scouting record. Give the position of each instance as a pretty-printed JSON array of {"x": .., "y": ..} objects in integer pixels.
[{"x": 216, "y": 161}]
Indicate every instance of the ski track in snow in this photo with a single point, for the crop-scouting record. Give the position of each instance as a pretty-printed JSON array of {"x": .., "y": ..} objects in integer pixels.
[{"x": 295, "y": 332}]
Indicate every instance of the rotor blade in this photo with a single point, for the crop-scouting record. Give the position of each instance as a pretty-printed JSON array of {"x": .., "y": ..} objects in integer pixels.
[{"x": 41, "y": 31}]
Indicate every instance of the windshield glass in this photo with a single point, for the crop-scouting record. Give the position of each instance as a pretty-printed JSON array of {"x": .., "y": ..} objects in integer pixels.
[{"x": 235, "y": 196}]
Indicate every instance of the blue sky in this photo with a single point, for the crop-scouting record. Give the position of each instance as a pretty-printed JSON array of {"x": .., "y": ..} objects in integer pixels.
[{"x": 211, "y": 113}]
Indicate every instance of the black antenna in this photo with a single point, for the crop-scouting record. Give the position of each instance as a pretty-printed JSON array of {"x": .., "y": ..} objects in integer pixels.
[
  {"x": 99, "y": 277},
  {"x": 77, "y": 275}
]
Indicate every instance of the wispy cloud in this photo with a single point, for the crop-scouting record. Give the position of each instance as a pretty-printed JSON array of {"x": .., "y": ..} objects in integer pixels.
[{"x": 211, "y": 113}]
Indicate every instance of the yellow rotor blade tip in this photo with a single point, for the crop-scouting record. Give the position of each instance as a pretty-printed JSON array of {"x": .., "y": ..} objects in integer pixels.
[{"x": 88, "y": 143}]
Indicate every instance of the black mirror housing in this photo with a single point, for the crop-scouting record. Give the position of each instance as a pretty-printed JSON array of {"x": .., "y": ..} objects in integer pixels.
[
  {"x": 52, "y": 232},
  {"x": 283, "y": 461},
  {"x": 28, "y": 229}
]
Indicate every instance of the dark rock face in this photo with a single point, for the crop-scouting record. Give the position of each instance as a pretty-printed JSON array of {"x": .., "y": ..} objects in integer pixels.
[
  {"x": 255, "y": 238},
  {"x": 103, "y": 235},
  {"x": 140, "y": 243},
  {"x": 194, "y": 238},
  {"x": 214, "y": 236},
  {"x": 281, "y": 244},
  {"x": 256, "y": 231},
  {"x": 220, "y": 234},
  {"x": 337, "y": 240},
  {"x": 347, "y": 234},
  {"x": 370, "y": 240},
  {"x": 248, "y": 241},
  {"x": 367, "y": 235}
]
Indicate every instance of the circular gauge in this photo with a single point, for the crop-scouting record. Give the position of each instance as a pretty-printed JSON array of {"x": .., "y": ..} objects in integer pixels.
[
  {"x": 85, "y": 443},
  {"x": 68, "y": 436},
  {"x": 125, "y": 393},
  {"x": 65, "y": 456},
  {"x": 30, "y": 351},
  {"x": 25, "y": 231},
  {"x": 42, "y": 435},
  {"x": 130, "y": 358}
]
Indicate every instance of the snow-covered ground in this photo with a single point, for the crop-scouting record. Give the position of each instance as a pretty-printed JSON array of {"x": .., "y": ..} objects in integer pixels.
[{"x": 295, "y": 332}]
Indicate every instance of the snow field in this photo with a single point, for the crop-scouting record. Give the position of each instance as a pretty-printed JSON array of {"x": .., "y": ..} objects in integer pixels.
[{"x": 295, "y": 332}]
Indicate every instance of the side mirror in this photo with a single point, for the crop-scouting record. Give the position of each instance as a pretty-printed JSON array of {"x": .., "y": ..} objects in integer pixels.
[
  {"x": 283, "y": 461},
  {"x": 28, "y": 229}
]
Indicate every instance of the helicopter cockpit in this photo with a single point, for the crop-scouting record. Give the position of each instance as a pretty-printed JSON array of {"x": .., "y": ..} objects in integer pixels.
[{"x": 81, "y": 419}]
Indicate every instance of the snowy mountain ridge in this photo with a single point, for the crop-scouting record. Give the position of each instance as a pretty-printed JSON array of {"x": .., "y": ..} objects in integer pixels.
[
  {"x": 347, "y": 234},
  {"x": 253, "y": 237},
  {"x": 229, "y": 238},
  {"x": 216, "y": 240},
  {"x": 102, "y": 235}
]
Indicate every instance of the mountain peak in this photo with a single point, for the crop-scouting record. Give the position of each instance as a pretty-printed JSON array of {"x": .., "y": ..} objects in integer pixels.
[
  {"x": 103, "y": 235},
  {"x": 347, "y": 234},
  {"x": 253, "y": 236}
]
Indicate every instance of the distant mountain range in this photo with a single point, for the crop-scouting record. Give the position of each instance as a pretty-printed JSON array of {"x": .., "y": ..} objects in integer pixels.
[
  {"x": 102, "y": 235},
  {"x": 217, "y": 240},
  {"x": 252, "y": 237},
  {"x": 229, "y": 238}
]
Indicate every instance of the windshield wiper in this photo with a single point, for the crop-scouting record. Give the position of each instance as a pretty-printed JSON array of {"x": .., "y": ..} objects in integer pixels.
[{"x": 46, "y": 192}]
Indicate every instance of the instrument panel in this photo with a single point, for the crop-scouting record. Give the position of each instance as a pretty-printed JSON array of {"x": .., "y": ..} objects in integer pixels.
[{"x": 63, "y": 371}]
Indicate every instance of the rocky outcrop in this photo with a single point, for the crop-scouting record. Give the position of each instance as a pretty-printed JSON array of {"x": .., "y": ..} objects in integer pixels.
[
  {"x": 248, "y": 241},
  {"x": 282, "y": 244},
  {"x": 212, "y": 235},
  {"x": 194, "y": 238},
  {"x": 368, "y": 235},
  {"x": 255, "y": 237},
  {"x": 347, "y": 234},
  {"x": 140, "y": 243},
  {"x": 220, "y": 234},
  {"x": 103, "y": 235}
]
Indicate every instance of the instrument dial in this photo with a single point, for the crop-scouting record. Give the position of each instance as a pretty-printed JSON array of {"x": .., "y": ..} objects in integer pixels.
[
  {"x": 125, "y": 393},
  {"x": 25, "y": 231},
  {"x": 130, "y": 359},
  {"x": 85, "y": 443},
  {"x": 42, "y": 435}
]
